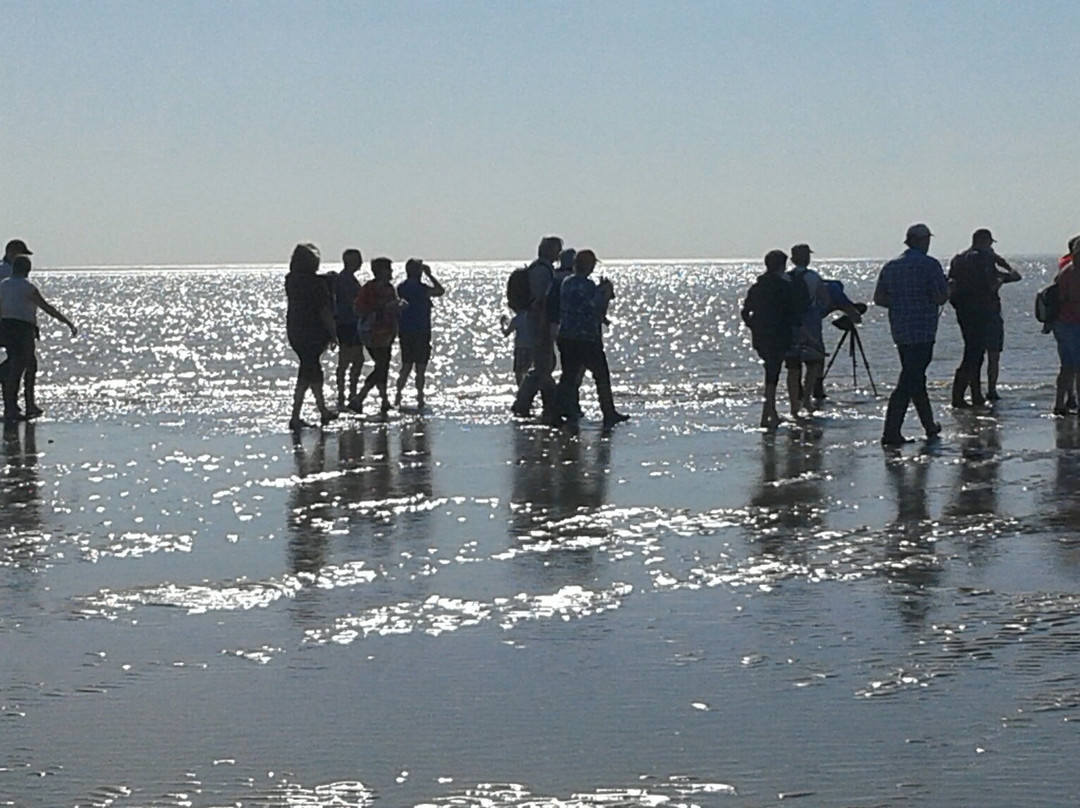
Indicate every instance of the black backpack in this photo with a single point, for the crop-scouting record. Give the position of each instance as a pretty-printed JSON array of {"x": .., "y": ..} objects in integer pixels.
[{"x": 1048, "y": 304}]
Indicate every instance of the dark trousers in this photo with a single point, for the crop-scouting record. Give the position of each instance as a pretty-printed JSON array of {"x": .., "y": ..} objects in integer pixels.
[
  {"x": 974, "y": 327},
  {"x": 579, "y": 355},
  {"x": 18, "y": 338},
  {"x": 910, "y": 389}
]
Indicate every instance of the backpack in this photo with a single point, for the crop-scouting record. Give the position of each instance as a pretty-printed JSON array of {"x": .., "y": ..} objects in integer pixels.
[
  {"x": 800, "y": 293},
  {"x": 1048, "y": 304},
  {"x": 518, "y": 290}
]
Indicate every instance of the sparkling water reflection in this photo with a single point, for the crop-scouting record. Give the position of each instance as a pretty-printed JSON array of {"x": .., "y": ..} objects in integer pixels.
[{"x": 199, "y": 609}]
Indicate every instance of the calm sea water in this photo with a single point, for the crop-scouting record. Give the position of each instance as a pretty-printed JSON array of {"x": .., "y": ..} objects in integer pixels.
[{"x": 457, "y": 610}]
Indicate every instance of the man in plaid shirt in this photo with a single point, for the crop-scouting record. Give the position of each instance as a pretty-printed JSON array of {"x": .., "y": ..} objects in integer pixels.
[{"x": 913, "y": 288}]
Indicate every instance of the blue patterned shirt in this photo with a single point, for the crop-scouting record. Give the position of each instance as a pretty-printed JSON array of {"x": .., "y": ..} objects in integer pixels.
[
  {"x": 912, "y": 287},
  {"x": 580, "y": 309}
]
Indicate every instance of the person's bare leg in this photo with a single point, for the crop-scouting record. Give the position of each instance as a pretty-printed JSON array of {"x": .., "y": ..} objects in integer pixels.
[
  {"x": 993, "y": 366},
  {"x": 298, "y": 403},
  {"x": 813, "y": 373},
  {"x": 794, "y": 387},
  {"x": 769, "y": 416},
  {"x": 421, "y": 379},
  {"x": 402, "y": 379},
  {"x": 1066, "y": 383}
]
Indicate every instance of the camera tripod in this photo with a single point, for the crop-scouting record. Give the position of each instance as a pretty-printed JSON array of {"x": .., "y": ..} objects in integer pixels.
[{"x": 853, "y": 340}]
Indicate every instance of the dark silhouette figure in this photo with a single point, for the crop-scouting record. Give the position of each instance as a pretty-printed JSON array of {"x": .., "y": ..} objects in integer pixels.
[
  {"x": 20, "y": 301},
  {"x": 912, "y": 287},
  {"x": 310, "y": 328},
  {"x": 771, "y": 312}
]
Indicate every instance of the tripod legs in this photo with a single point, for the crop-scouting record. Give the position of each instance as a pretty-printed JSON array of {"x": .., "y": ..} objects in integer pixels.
[{"x": 853, "y": 340}]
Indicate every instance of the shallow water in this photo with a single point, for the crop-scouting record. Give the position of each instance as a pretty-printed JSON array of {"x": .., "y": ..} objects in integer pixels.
[{"x": 456, "y": 610}]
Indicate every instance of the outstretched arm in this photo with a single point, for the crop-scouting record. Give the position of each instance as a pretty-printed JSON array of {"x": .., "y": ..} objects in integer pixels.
[{"x": 54, "y": 312}]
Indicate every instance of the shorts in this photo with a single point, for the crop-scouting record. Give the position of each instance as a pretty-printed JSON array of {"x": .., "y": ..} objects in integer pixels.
[
  {"x": 348, "y": 334},
  {"x": 18, "y": 337},
  {"x": 1067, "y": 336},
  {"x": 772, "y": 353},
  {"x": 995, "y": 333},
  {"x": 415, "y": 347}
]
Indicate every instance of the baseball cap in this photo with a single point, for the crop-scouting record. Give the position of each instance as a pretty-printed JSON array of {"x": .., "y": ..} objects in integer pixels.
[
  {"x": 916, "y": 232},
  {"x": 983, "y": 234},
  {"x": 17, "y": 247}
]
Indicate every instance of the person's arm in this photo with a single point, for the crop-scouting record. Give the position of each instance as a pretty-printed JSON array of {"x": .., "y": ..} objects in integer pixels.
[
  {"x": 436, "y": 289},
  {"x": 939, "y": 286},
  {"x": 508, "y": 326},
  {"x": 53, "y": 312},
  {"x": 1010, "y": 275},
  {"x": 881, "y": 292}
]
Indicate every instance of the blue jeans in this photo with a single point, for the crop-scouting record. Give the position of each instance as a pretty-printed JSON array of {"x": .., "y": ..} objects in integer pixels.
[{"x": 910, "y": 388}]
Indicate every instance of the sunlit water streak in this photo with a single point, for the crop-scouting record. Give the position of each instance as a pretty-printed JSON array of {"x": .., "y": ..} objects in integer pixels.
[{"x": 453, "y": 609}]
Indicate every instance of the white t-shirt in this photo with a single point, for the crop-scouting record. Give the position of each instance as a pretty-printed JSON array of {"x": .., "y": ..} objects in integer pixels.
[{"x": 18, "y": 300}]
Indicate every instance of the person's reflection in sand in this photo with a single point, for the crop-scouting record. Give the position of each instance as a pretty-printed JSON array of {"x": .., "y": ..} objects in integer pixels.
[
  {"x": 363, "y": 488},
  {"x": 788, "y": 502},
  {"x": 308, "y": 518},
  {"x": 975, "y": 487},
  {"x": 558, "y": 489},
  {"x": 1063, "y": 505},
  {"x": 20, "y": 501},
  {"x": 414, "y": 476},
  {"x": 910, "y": 563}
]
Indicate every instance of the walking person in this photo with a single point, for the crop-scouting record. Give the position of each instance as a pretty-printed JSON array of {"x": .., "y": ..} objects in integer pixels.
[
  {"x": 912, "y": 287},
  {"x": 771, "y": 312},
  {"x": 541, "y": 273},
  {"x": 20, "y": 301},
  {"x": 310, "y": 327},
  {"x": 378, "y": 307},
  {"x": 1066, "y": 328},
  {"x": 414, "y": 325},
  {"x": 583, "y": 308},
  {"x": 350, "y": 349},
  {"x": 974, "y": 281}
]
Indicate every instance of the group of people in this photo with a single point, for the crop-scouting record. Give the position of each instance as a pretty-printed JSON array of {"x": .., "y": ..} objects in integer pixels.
[
  {"x": 556, "y": 303},
  {"x": 337, "y": 309},
  {"x": 782, "y": 315},
  {"x": 554, "y": 300},
  {"x": 20, "y": 301}
]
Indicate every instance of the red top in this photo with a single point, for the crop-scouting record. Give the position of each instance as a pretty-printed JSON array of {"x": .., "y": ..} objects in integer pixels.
[{"x": 1068, "y": 281}]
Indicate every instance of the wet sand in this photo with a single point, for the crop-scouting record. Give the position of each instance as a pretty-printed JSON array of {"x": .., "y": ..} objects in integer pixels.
[{"x": 428, "y": 612}]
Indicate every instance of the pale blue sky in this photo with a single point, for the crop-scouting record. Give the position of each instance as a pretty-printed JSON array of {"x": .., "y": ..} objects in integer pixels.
[{"x": 145, "y": 132}]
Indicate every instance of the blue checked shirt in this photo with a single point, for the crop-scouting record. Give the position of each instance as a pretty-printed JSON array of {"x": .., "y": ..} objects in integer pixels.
[{"x": 912, "y": 287}]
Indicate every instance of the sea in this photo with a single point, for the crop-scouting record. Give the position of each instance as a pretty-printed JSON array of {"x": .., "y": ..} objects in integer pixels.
[{"x": 456, "y": 608}]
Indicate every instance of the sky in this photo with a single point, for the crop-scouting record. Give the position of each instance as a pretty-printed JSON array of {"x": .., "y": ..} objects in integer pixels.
[{"x": 222, "y": 132}]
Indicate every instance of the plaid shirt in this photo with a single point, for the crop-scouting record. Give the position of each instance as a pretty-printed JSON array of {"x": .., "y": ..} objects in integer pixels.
[{"x": 910, "y": 286}]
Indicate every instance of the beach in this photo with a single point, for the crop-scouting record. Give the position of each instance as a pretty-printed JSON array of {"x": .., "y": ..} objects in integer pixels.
[{"x": 458, "y": 608}]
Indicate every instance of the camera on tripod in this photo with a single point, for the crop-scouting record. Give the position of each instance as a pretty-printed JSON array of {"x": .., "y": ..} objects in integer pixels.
[{"x": 845, "y": 323}]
